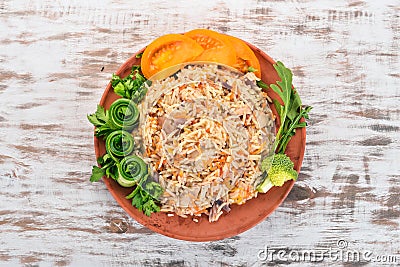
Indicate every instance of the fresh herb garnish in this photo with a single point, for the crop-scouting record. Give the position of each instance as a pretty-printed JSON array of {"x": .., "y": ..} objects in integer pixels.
[
  {"x": 143, "y": 201},
  {"x": 278, "y": 168},
  {"x": 97, "y": 174},
  {"x": 119, "y": 144},
  {"x": 139, "y": 55},
  {"x": 123, "y": 114},
  {"x": 146, "y": 193},
  {"x": 108, "y": 169},
  {"x": 100, "y": 119},
  {"x": 112, "y": 122},
  {"x": 130, "y": 87},
  {"x": 291, "y": 111},
  {"x": 291, "y": 127}
]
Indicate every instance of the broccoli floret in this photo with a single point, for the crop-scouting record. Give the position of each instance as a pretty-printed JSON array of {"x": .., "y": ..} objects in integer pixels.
[
  {"x": 278, "y": 172},
  {"x": 266, "y": 163}
]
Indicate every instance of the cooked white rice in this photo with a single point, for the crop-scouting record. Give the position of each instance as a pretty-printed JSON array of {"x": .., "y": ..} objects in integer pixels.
[{"x": 205, "y": 130}]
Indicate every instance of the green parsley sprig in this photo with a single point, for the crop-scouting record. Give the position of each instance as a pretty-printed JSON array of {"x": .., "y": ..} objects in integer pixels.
[
  {"x": 143, "y": 200},
  {"x": 108, "y": 168},
  {"x": 100, "y": 119},
  {"x": 130, "y": 87}
]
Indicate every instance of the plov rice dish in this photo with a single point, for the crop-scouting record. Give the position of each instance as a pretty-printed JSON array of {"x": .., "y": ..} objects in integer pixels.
[{"x": 205, "y": 130}]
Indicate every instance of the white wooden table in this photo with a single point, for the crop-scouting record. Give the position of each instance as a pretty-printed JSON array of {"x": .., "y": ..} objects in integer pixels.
[{"x": 345, "y": 57}]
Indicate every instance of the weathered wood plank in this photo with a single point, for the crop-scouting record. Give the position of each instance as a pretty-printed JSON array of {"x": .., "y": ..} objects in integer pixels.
[{"x": 344, "y": 54}]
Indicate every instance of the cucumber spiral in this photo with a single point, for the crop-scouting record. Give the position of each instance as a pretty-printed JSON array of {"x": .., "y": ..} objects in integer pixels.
[
  {"x": 124, "y": 114},
  {"x": 131, "y": 170},
  {"x": 119, "y": 144}
]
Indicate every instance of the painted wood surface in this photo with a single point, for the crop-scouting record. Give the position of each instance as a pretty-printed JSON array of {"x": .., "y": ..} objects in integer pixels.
[{"x": 56, "y": 57}]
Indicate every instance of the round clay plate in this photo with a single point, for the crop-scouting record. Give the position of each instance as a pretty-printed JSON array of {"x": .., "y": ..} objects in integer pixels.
[{"x": 241, "y": 217}]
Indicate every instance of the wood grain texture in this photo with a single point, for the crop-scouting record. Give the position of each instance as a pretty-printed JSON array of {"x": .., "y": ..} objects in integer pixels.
[{"x": 345, "y": 57}]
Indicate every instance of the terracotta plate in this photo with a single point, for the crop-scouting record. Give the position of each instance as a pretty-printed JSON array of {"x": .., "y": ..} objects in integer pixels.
[{"x": 241, "y": 217}]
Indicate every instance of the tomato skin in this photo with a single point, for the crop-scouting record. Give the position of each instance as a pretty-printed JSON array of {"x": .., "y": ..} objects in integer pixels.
[
  {"x": 216, "y": 48},
  {"x": 198, "y": 45},
  {"x": 245, "y": 57},
  {"x": 168, "y": 50}
]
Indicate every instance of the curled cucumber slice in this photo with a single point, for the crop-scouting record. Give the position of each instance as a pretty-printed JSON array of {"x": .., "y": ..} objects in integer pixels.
[
  {"x": 124, "y": 114},
  {"x": 119, "y": 144},
  {"x": 131, "y": 170}
]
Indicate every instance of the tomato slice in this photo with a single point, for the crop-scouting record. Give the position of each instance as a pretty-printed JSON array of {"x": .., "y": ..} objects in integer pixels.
[
  {"x": 168, "y": 50},
  {"x": 216, "y": 48},
  {"x": 245, "y": 57}
]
